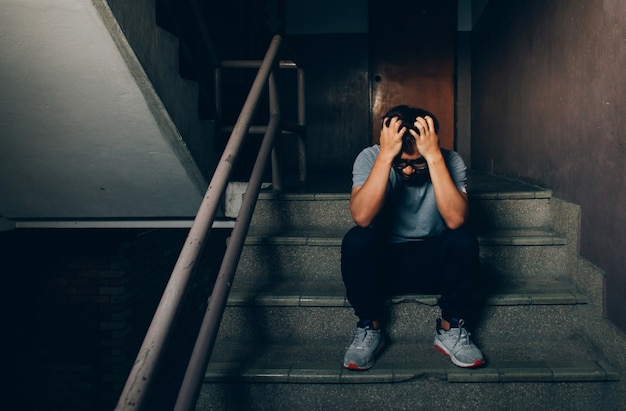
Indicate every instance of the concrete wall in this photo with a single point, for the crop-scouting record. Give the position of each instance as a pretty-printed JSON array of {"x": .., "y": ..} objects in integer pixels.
[
  {"x": 82, "y": 133},
  {"x": 548, "y": 104},
  {"x": 159, "y": 53}
]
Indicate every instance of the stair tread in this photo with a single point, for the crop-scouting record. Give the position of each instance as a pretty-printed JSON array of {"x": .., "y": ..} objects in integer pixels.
[
  {"x": 331, "y": 293},
  {"x": 320, "y": 362},
  {"x": 510, "y": 236},
  {"x": 344, "y": 195},
  {"x": 480, "y": 186},
  {"x": 488, "y": 186}
]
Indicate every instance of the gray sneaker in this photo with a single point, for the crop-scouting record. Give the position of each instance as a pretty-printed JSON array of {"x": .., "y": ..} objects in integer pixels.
[
  {"x": 457, "y": 345},
  {"x": 366, "y": 344}
]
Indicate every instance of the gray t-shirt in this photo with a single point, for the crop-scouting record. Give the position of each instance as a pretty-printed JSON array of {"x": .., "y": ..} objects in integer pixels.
[{"x": 410, "y": 212}]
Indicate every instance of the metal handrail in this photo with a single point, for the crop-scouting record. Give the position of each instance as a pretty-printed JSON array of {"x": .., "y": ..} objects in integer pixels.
[
  {"x": 143, "y": 371},
  {"x": 200, "y": 356}
]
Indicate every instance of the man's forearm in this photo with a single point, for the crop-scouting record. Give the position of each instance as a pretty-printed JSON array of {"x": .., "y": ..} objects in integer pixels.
[
  {"x": 367, "y": 201},
  {"x": 451, "y": 203}
]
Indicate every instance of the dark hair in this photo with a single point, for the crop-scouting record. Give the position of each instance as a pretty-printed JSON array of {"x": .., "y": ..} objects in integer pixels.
[{"x": 407, "y": 115}]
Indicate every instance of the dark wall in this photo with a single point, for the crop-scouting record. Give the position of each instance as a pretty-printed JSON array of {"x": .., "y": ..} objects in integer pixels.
[
  {"x": 549, "y": 107},
  {"x": 337, "y": 98},
  {"x": 77, "y": 305}
]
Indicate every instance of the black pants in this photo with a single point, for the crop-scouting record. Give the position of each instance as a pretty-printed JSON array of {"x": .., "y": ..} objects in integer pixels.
[{"x": 374, "y": 269}]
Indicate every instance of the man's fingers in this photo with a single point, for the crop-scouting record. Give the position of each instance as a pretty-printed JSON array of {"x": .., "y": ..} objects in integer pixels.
[
  {"x": 424, "y": 124},
  {"x": 430, "y": 122},
  {"x": 421, "y": 125},
  {"x": 414, "y": 133},
  {"x": 392, "y": 122}
]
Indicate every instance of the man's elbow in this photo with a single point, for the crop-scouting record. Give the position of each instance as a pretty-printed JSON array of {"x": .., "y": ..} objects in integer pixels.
[
  {"x": 360, "y": 219},
  {"x": 361, "y": 222},
  {"x": 455, "y": 222},
  {"x": 453, "y": 225}
]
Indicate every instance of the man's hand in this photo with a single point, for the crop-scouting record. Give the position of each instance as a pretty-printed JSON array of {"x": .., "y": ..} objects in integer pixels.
[
  {"x": 451, "y": 203},
  {"x": 391, "y": 138},
  {"x": 367, "y": 200},
  {"x": 427, "y": 140}
]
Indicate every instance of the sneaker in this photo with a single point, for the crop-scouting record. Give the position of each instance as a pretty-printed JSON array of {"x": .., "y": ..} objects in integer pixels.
[
  {"x": 366, "y": 344},
  {"x": 456, "y": 344}
]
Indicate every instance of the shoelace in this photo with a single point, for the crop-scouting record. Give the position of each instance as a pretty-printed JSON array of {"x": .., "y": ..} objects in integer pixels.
[
  {"x": 463, "y": 334},
  {"x": 362, "y": 338}
]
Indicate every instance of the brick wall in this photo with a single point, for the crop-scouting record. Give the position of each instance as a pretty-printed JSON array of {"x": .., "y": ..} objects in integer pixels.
[{"x": 78, "y": 306}]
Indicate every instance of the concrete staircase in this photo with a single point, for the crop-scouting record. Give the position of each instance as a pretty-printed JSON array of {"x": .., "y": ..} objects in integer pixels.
[{"x": 288, "y": 323}]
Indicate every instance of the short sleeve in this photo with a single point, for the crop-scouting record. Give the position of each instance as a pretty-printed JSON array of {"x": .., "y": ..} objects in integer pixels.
[
  {"x": 363, "y": 165},
  {"x": 458, "y": 170}
]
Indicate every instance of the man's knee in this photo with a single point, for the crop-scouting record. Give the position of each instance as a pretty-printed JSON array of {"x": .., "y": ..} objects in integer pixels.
[
  {"x": 359, "y": 239},
  {"x": 462, "y": 240}
]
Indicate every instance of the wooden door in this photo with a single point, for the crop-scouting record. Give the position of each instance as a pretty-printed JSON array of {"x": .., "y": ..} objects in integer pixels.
[{"x": 412, "y": 48}]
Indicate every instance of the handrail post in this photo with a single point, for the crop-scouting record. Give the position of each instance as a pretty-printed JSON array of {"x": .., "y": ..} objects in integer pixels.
[
  {"x": 151, "y": 351},
  {"x": 217, "y": 77},
  {"x": 274, "y": 97},
  {"x": 301, "y": 121}
]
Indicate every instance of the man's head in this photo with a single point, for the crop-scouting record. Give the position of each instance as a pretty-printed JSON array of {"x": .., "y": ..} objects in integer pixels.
[
  {"x": 407, "y": 115},
  {"x": 409, "y": 164}
]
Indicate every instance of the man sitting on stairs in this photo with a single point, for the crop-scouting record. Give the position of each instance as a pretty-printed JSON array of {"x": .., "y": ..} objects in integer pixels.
[{"x": 409, "y": 201}]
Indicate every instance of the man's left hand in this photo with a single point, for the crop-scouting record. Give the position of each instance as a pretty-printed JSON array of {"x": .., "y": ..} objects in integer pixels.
[{"x": 427, "y": 140}]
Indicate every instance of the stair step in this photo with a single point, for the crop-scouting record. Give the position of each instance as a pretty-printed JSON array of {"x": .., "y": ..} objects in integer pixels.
[
  {"x": 319, "y": 362},
  {"x": 512, "y": 236},
  {"x": 480, "y": 186},
  {"x": 314, "y": 255},
  {"x": 344, "y": 195},
  {"x": 485, "y": 185},
  {"x": 303, "y": 211},
  {"x": 481, "y": 194},
  {"x": 333, "y": 296},
  {"x": 303, "y": 308},
  {"x": 331, "y": 210},
  {"x": 538, "y": 371},
  {"x": 520, "y": 236},
  {"x": 406, "y": 320},
  {"x": 494, "y": 202}
]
